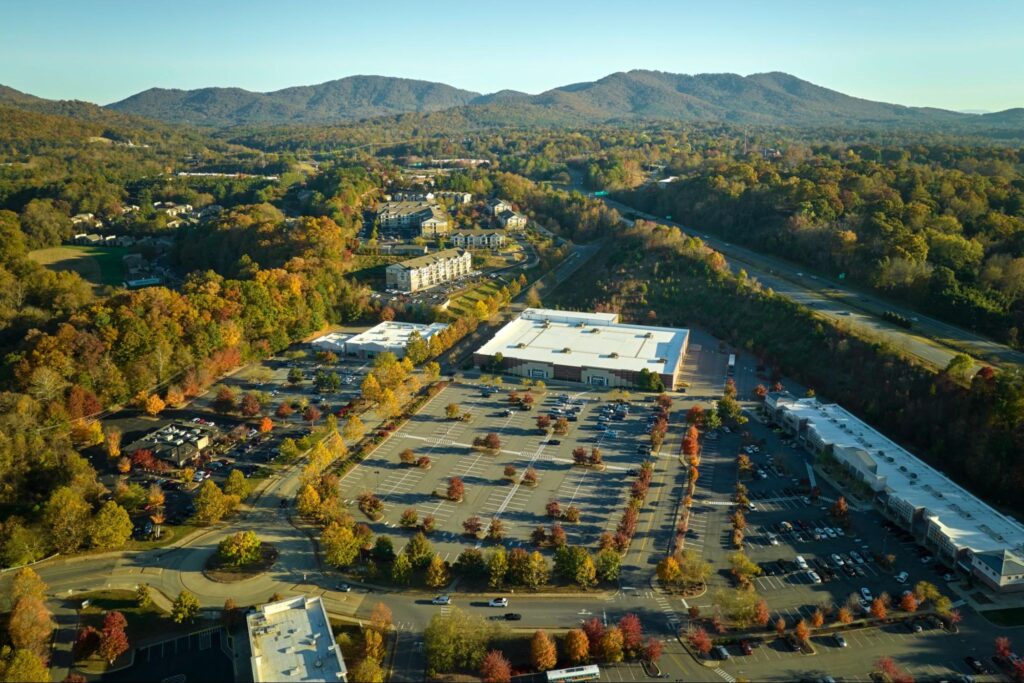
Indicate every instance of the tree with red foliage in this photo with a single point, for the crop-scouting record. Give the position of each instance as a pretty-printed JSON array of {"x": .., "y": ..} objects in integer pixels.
[
  {"x": 652, "y": 650},
  {"x": 579, "y": 455},
  {"x": 1003, "y": 647},
  {"x": 543, "y": 422},
  {"x": 557, "y": 538},
  {"x": 691, "y": 443},
  {"x": 113, "y": 643},
  {"x": 284, "y": 410},
  {"x": 473, "y": 526},
  {"x": 760, "y": 391},
  {"x": 694, "y": 415},
  {"x": 456, "y": 489},
  {"x": 632, "y": 634},
  {"x": 311, "y": 414},
  {"x": 595, "y": 632},
  {"x": 492, "y": 441},
  {"x": 143, "y": 459},
  {"x": 250, "y": 405},
  {"x": 554, "y": 509},
  {"x": 700, "y": 641}
]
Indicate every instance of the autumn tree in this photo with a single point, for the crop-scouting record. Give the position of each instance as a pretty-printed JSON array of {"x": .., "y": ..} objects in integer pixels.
[
  {"x": 354, "y": 428},
  {"x": 818, "y": 618},
  {"x": 908, "y": 603},
  {"x": 612, "y": 645},
  {"x": 802, "y": 631},
  {"x": 844, "y": 615},
  {"x": 700, "y": 641},
  {"x": 543, "y": 655},
  {"x": 495, "y": 668},
  {"x": 761, "y": 614},
  {"x": 878, "y": 609},
  {"x": 380, "y": 618},
  {"x": 31, "y": 625},
  {"x": 456, "y": 489},
  {"x": 632, "y": 634},
  {"x": 113, "y": 640},
  {"x": 577, "y": 646}
]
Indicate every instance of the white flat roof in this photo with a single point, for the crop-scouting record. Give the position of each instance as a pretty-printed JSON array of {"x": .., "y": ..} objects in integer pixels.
[
  {"x": 965, "y": 519},
  {"x": 393, "y": 334},
  {"x": 332, "y": 340},
  {"x": 595, "y": 340},
  {"x": 291, "y": 640}
]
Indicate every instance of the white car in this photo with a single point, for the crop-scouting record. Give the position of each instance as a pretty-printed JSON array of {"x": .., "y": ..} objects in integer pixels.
[
  {"x": 838, "y": 561},
  {"x": 751, "y": 507},
  {"x": 856, "y": 557},
  {"x": 442, "y": 600},
  {"x": 902, "y": 577},
  {"x": 773, "y": 539},
  {"x": 865, "y": 593},
  {"x": 498, "y": 602},
  {"x": 814, "y": 576}
]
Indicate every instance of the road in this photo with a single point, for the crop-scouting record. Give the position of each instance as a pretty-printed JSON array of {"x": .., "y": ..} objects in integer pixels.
[{"x": 930, "y": 340}]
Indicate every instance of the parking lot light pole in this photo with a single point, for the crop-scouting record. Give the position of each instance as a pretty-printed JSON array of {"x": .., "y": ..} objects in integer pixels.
[{"x": 377, "y": 488}]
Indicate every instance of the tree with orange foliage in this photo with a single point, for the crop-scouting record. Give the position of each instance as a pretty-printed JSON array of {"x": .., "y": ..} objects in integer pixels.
[
  {"x": 266, "y": 424},
  {"x": 154, "y": 405},
  {"x": 878, "y": 609},
  {"x": 818, "y": 619},
  {"x": 844, "y": 616},
  {"x": 577, "y": 646},
  {"x": 495, "y": 668},
  {"x": 802, "y": 631},
  {"x": 908, "y": 603},
  {"x": 761, "y": 614}
]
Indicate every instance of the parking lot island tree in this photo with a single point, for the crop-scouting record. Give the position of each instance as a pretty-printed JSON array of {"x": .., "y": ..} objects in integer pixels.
[
  {"x": 456, "y": 489},
  {"x": 437, "y": 572},
  {"x": 495, "y": 667},
  {"x": 576, "y": 646}
]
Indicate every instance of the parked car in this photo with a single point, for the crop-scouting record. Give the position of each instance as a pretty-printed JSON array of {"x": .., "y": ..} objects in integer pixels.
[
  {"x": 902, "y": 577},
  {"x": 839, "y": 640},
  {"x": 746, "y": 648},
  {"x": 721, "y": 653},
  {"x": 865, "y": 593},
  {"x": 344, "y": 588},
  {"x": 976, "y": 664}
]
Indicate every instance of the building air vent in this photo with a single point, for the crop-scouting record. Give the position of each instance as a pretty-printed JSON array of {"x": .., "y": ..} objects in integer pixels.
[
  {"x": 521, "y": 345},
  {"x": 648, "y": 335},
  {"x": 613, "y": 354},
  {"x": 566, "y": 350}
]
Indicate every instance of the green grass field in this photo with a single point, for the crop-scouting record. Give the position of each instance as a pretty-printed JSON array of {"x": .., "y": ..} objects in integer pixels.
[
  {"x": 98, "y": 265},
  {"x": 463, "y": 304}
]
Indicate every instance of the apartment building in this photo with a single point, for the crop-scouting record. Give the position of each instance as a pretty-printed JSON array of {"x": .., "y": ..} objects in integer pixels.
[
  {"x": 478, "y": 239},
  {"x": 428, "y": 271}
]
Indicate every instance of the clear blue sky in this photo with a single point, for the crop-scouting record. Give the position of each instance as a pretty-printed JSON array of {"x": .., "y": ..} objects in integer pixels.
[{"x": 967, "y": 54}]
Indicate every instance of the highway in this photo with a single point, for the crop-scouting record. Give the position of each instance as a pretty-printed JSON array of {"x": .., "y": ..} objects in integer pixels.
[{"x": 929, "y": 340}]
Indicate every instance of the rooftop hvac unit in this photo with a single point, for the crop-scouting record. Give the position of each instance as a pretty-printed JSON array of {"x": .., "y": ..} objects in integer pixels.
[{"x": 648, "y": 335}]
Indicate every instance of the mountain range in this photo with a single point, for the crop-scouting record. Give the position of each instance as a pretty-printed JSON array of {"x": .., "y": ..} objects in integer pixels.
[{"x": 758, "y": 99}]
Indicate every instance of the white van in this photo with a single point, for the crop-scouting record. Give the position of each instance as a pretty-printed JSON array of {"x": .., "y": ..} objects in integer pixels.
[{"x": 801, "y": 562}]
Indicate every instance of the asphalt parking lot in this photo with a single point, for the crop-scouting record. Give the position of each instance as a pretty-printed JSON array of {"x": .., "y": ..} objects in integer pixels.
[
  {"x": 195, "y": 657},
  {"x": 600, "y": 495}
]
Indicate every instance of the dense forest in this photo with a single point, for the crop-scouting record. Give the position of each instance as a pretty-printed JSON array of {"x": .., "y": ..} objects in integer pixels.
[
  {"x": 939, "y": 226},
  {"x": 975, "y": 433}
]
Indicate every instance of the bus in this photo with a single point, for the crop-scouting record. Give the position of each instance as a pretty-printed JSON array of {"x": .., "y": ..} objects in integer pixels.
[
  {"x": 576, "y": 673},
  {"x": 732, "y": 363}
]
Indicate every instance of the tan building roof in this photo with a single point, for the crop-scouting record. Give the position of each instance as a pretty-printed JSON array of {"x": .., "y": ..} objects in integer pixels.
[{"x": 421, "y": 261}]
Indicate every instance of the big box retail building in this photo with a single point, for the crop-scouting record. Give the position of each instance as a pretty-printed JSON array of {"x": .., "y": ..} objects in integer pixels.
[{"x": 592, "y": 348}]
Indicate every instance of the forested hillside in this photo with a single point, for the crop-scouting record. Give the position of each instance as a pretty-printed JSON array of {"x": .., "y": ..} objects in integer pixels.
[{"x": 940, "y": 226}]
